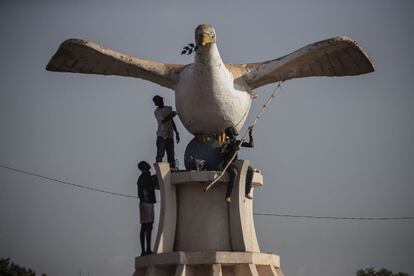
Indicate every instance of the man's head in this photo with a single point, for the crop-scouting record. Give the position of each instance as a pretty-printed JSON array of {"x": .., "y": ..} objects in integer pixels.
[
  {"x": 231, "y": 132},
  {"x": 144, "y": 166},
  {"x": 158, "y": 101}
]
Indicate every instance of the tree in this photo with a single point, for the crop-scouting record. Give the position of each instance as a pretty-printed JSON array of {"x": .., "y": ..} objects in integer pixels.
[
  {"x": 8, "y": 268},
  {"x": 382, "y": 272}
]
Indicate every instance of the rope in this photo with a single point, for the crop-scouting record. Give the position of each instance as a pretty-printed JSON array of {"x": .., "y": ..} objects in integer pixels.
[{"x": 258, "y": 116}]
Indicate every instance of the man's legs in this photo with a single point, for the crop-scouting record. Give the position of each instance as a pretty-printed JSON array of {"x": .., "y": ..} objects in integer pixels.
[
  {"x": 160, "y": 149},
  {"x": 148, "y": 236},
  {"x": 145, "y": 235},
  {"x": 232, "y": 179},
  {"x": 142, "y": 238},
  {"x": 169, "y": 147}
]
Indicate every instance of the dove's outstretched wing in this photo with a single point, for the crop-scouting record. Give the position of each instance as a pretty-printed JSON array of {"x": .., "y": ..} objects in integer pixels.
[
  {"x": 82, "y": 56},
  {"x": 339, "y": 56}
]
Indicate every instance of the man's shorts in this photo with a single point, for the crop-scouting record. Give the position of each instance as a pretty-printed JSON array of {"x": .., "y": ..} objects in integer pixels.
[{"x": 146, "y": 212}]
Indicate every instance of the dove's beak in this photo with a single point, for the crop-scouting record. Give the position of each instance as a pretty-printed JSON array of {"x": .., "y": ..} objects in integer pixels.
[{"x": 204, "y": 37}]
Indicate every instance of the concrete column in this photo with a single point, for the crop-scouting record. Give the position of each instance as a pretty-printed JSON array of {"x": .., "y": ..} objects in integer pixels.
[
  {"x": 168, "y": 212},
  {"x": 267, "y": 270},
  {"x": 279, "y": 272},
  {"x": 185, "y": 270},
  {"x": 216, "y": 270},
  {"x": 245, "y": 270},
  {"x": 242, "y": 230},
  {"x": 158, "y": 271}
]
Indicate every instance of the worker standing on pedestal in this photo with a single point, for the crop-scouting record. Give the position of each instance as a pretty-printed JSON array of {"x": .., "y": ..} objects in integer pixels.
[
  {"x": 146, "y": 195},
  {"x": 230, "y": 147},
  {"x": 165, "y": 131}
]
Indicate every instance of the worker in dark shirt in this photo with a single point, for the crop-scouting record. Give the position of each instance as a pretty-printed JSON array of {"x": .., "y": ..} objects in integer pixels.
[
  {"x": 230, "y": 147},
  {"x": 146, "y": 195}
]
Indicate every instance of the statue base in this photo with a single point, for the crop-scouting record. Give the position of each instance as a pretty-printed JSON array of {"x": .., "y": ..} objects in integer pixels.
[
  {"x": 199, "y": 233},
  {"x": 214, "y": 263}
]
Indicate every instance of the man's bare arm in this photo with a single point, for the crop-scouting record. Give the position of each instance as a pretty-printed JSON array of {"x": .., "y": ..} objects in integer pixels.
[
  {"x": 249, "y": 144},
  {"x": 177, "y": 135}
]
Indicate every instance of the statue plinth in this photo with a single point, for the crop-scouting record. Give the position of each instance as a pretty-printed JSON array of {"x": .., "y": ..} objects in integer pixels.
[
  {"x": 205, "y": 263},
  {"x": 201, "y": 234}
]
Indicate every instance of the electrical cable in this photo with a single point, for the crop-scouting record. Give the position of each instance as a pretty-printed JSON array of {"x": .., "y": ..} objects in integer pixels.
[
  {"x": 256, "y": 214},
  {"x": 67, "y": 183},
  {"x": 333, "y": 217}
]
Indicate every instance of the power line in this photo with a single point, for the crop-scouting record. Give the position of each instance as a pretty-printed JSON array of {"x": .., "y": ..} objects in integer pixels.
[
  {"x": 333, "y": 217},
  {"x": 67, "y": 183},
  {"x": 256, "y": 214}
]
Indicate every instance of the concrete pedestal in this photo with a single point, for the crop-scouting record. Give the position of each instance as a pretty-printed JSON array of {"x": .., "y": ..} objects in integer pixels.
[
  {"x": 208, "y": 263},
  {"x": 201, "y": 234}
]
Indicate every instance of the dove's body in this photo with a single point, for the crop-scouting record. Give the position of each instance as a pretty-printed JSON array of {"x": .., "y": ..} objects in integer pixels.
[{"x": 207, "y": 99}]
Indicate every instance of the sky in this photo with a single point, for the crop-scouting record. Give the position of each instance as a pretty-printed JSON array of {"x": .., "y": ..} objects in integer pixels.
[{"x": 326, "y": 146}]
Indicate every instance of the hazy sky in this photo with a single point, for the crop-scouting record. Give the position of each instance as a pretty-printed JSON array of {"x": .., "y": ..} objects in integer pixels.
[{"x": 326, "y": 146}]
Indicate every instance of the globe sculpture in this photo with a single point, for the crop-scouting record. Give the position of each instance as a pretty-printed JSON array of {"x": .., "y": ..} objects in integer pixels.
[{"x": 206, "y": 151}]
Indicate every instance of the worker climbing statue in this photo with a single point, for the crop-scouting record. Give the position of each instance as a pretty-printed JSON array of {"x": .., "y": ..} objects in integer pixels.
[{"x": 199, "y": 233}]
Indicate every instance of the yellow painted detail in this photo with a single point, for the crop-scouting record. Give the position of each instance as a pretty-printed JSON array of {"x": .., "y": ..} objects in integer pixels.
[
  {"x": 207, "y": 138},
  {"x": 221, "y": 137},
  {"x": 205, "y": 39}
]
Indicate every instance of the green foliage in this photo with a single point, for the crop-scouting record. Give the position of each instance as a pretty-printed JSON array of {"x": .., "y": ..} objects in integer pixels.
[
  {"x": 382, "y": 272},
  {"x": 8, "y": 268}
]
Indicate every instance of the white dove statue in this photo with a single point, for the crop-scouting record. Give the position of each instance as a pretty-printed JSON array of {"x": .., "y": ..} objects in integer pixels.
[{"x": 211, "y": 95}]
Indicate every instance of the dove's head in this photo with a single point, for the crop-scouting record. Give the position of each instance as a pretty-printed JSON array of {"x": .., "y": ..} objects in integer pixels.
[{"x": 204, "y": 35}]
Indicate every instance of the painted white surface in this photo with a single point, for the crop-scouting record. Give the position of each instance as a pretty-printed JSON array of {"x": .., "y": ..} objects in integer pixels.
[{"x": 207, "y": 100}]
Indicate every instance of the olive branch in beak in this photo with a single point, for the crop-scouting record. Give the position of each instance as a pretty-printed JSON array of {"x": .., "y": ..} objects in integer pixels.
[{"x": 189, "y": 49}]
